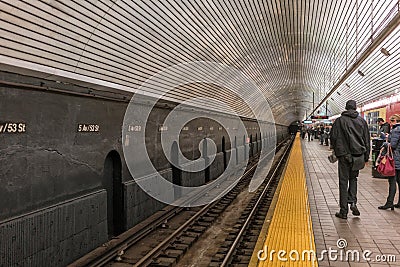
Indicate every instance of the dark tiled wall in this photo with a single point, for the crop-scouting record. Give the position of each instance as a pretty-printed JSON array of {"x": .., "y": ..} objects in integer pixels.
[
  {"x": 138, "y": 204},
  {"x": 57, "y": 235}
]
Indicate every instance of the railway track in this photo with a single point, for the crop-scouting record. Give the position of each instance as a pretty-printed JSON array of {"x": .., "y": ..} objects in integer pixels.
[
  {"x": 238, "y": 248},
  {"x": 169, "y": 244}
]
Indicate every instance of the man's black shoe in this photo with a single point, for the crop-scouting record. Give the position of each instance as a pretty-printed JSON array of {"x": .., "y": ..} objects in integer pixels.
[
  {"x": 354, "y": 209},
  {"x": 341, "y": 215}
]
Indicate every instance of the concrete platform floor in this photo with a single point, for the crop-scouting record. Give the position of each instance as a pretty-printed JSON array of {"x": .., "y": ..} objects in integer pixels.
[{"x": 377, "y": 231}]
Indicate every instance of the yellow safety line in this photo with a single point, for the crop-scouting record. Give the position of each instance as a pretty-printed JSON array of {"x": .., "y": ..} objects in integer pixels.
[
  {"x": 264, "y": 230},
  {"x": 290, "y": 234}
]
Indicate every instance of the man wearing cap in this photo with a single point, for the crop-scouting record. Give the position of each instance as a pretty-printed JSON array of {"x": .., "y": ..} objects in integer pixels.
[{"x": 350, "y": 141}]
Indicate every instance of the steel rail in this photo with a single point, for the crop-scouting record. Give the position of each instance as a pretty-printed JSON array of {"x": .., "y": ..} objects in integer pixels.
[
  {"x": 253, "y": 211},
  {"x": 146, "y": 260},
  {"x": 154, "y": 252}
]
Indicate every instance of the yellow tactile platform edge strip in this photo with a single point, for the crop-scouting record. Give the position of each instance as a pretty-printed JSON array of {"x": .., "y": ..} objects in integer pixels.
[{"x": 290, "y": 234}]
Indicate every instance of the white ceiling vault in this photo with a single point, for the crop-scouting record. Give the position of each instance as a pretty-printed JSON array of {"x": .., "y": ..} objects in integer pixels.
[{"x": 296, "y": 51}]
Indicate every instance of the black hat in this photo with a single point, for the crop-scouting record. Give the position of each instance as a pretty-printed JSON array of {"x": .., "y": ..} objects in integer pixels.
[
  {"x": 380, "y": 120},
  {"x": 351, "y": 104}
]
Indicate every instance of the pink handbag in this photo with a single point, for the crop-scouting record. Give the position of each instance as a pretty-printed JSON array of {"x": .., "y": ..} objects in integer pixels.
[{"x": 386, "y": 163}]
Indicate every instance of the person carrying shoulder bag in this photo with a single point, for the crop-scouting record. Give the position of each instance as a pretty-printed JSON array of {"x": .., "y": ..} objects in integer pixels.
[
  {"x": 393, "y": 140},
  {"x": 350, "y": 140}
]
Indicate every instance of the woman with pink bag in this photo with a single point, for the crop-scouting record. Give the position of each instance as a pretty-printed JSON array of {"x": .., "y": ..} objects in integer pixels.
[{"x": 394, "y": 141}]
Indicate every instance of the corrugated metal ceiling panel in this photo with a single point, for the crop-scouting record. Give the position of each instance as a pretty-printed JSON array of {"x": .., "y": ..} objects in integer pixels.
[{"x": 290, "y": 48}]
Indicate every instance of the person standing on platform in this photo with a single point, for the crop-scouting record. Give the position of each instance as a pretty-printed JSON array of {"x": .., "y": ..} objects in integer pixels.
[
  {"x": 384, "y": 128},
  {"x": 326, "y": 134},
  {"x": 309, "y": 134},
  {"x": 350, "y": 140},
  {"x": 315, "y": 132},
  {"x": 321, "y": 134},
  {"x": 303, "y": 132},
  {"x": 394, "y": 139}
]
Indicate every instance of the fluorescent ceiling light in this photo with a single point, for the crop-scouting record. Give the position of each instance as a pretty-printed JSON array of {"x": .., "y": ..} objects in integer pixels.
[{"x": 385, "y": 52}]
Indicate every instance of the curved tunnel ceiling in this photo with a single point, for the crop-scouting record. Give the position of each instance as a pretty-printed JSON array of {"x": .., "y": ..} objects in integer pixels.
[{"x": 291, "y": 50}]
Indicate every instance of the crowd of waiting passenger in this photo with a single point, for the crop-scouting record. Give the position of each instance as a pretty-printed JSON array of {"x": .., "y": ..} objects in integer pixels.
[{"x": 318, "y": 132}]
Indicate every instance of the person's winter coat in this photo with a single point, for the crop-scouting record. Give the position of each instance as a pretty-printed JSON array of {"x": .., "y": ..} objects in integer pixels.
[
  {"x": 350, "y": 135},
  {"x": 394, "y": 142},
  {"x": 383, "y": 130}
]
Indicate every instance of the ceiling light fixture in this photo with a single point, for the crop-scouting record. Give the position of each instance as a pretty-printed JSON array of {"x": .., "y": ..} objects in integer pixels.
[
  {"x": 385, "y": 52},
  {"x": 348, "y": 85},
  {"x": 338, "y": 93},
  {"x": 361, "y": 73}
]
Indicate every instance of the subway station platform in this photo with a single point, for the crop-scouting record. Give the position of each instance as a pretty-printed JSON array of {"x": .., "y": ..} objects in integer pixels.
[{"x": 298, "y": 224}]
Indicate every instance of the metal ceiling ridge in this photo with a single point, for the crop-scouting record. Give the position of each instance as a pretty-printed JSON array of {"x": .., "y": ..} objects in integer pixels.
[{"x": 380, "y": 38}]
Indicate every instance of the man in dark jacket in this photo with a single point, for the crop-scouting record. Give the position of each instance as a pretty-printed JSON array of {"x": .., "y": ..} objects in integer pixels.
[
  {"x": 384, "y": 128},
  {"x": 351, "y": 143}
]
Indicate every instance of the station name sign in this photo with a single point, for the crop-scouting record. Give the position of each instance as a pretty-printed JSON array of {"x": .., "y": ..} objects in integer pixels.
[
  {"x": 88, "y": 128},
  {"x": 12, "y": 127}
]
